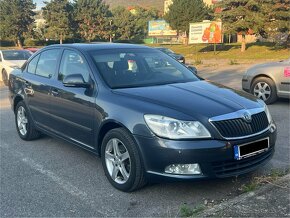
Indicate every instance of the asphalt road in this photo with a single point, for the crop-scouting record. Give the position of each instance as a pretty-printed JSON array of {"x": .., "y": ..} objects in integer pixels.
[{"x": 49, "y": 177}]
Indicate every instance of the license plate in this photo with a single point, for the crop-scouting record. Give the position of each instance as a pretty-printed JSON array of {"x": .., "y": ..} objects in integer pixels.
[{"x": 251, "y": 149}]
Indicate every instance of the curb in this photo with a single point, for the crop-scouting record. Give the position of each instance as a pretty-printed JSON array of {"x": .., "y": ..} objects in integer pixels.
[{"x": 241, "y": 206}]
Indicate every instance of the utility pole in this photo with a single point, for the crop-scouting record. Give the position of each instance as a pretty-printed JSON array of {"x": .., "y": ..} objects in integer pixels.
[{"x": 111, "y": 31}]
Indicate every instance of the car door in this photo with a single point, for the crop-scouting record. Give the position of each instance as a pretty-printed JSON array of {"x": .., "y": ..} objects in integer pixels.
[
  {"x": 37, "y": 84},
  {"x": 284, "y": 78},
  {"x": 72, "y": 108}
]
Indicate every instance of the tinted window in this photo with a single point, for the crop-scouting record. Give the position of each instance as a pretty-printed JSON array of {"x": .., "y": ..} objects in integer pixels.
[
  {"x": 16, "y": 55},
  {"x": 73, "y": 63},
  {"x": 124, "y": 68},
  {"x": 32, "y": 65},
  {"x": 47, "y": 63}
]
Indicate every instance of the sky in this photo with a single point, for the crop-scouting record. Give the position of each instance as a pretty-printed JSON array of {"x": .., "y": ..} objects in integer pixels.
[{"x": 39, "y": 4}]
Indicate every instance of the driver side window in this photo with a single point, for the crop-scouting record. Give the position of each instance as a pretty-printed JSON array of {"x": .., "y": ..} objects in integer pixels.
[{"x": 73, "y": 63}]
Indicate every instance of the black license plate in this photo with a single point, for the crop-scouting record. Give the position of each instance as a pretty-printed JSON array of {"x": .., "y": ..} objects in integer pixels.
[{"x": 251, "y": 149}]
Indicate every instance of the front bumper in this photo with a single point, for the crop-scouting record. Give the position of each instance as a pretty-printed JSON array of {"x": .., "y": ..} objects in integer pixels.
[{"x": 215, "y": 157}]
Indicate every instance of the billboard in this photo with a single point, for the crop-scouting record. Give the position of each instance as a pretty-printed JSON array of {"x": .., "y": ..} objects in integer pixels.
[
  {"x": 160, "y": 28},
  {"x": 205, "y": 32}
]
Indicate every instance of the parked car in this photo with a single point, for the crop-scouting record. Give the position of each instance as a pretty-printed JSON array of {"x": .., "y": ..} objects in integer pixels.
[
  {"x": 171, "y": 53},
  {"x": 268, "y": 81},
  {"x": 148, "y": 121},
  {"x": 32, "y": 50},
  {"x": 11, "y": 59}
]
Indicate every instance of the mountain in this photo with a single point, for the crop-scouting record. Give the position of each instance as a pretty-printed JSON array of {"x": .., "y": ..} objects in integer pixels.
[{"x": 158, "y": 4}]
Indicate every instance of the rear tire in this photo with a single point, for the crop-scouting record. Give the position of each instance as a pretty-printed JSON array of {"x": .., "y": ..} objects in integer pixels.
[
  {"x": 121, "y": 161},
  {"x": 265, "y": 89},
  {"x": 5, "y": 77},
  {"x": 24, "y": 123}
]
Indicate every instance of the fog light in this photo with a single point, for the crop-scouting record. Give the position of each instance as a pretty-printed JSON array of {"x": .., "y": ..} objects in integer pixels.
[{"x": 187, "y": 169}]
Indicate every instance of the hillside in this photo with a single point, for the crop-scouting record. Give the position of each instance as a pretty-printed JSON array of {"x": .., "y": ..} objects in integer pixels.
[{"x": 159, "y": 4}]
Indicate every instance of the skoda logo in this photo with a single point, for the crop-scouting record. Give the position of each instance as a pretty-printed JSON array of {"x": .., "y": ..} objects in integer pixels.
[{"x": 247, "y": 117}]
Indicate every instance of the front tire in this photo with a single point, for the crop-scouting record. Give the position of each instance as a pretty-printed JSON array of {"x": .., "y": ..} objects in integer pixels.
[
  {"x": 24, "y": 123},
  {"x": 121, "y": 161},
  {"x": 265, "y": 89}
]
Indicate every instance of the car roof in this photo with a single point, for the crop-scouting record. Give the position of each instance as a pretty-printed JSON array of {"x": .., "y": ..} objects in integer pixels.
[{"x": 98, "y": 46}]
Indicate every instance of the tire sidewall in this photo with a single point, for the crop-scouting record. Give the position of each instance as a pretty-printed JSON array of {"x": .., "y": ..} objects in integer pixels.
[
  {"x": 133, "y": 159},
  {"x": 273, "y": 97}
]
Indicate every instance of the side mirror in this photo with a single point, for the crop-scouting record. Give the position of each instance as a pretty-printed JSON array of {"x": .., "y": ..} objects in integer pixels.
[
  {"x": 192, "y": 69},
  {"x": 75, "y": 80}
]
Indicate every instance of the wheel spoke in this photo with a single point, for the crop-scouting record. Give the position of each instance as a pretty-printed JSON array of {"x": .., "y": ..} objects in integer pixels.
[
  {"x": 256, "y": 91},
  {"x": 116, "y": 147},
  {"x": 124, "y": 172},
  {"x": 109, "y": 156},
  {"x": 263, "y": 97},
  {"x": 24, "y": 120},
  {"x": 267, "y": 92},
  {"x": 259, "y": 86},
  {"x": 115, "y": 172},
  {"x": 124, "y": 156}
]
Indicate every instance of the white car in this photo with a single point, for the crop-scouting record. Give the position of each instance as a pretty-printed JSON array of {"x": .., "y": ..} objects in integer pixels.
[{"x": 11, "y": 59}]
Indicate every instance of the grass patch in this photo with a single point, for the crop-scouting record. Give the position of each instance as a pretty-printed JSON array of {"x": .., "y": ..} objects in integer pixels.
[
  {"x": 270, "y": 178},
  {"x": 233, "y": 62},
  {"x": 255, "y": 51},
  {"x": 186, "y": 211}
]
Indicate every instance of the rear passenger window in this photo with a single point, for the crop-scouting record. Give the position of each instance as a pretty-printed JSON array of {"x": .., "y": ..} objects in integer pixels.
[
  {"x": 47, "y": 63},
  {"x": 32, "y": 65}
]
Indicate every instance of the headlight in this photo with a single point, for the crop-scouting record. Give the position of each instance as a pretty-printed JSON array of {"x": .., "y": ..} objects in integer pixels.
[
  {"x": 268, "y": 114},
  {"x": 262, "y": 103},
  {"x": 175, "y": 129}
]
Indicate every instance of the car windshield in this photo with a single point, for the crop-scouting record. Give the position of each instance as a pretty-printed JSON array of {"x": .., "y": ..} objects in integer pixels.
[
  {"x": 166, "y": 50},
  {"x": 126, "y": 68},
  {"x": 16, "y": 55}
]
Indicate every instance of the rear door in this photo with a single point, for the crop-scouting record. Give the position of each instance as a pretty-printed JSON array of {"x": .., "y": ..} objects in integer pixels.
[
  {"x": 72, "y": 108},
  {"x": 38, "y": 78}
]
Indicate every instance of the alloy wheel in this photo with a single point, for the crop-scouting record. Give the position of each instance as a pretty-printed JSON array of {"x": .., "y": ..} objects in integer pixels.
[
  {"x": 22, "y": 120},
  {"x": 262, "y": 90},
  {"x": 118, "y": 161}
]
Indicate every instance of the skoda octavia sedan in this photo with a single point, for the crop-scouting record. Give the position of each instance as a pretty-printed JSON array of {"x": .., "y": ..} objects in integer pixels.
[{"x": 147, "y": 122}]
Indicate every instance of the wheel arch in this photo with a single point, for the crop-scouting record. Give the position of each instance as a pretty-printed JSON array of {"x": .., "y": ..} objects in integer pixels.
[
  {"x": 104, "y": 129},
  {"x": 260, "y": 76},
  {"x": 16, "y": 100}
]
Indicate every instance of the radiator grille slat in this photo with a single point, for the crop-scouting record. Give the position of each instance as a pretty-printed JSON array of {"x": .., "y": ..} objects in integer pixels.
[{"x": 238, "y": 127}]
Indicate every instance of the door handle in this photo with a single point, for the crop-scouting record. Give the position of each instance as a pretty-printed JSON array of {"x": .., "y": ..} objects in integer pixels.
[{"x": 54, "y": 92}]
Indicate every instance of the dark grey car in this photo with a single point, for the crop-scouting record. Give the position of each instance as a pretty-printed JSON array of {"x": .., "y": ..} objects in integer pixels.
[{"x": 146, "y": 120}]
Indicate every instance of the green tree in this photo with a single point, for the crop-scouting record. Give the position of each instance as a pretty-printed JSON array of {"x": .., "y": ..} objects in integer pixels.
[
  {"x": 183, "y": 12},
  {"x": 276, "y": 17},
  {"x": 93, "y": 19},
  {"x": 16, "y": 18},
  {"x": 58, "y": 17},
  {"x": 243, "y": 17},
  {"x": 123, "y": 23},
  {"x": 128, "y": 26}
]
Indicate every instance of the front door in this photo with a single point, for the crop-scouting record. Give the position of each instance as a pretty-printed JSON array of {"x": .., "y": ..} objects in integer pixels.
[{"x": 72, "y": 108}]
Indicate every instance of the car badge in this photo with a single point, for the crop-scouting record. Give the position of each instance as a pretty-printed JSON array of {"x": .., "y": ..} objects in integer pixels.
[{"x": 247, "y": 117}]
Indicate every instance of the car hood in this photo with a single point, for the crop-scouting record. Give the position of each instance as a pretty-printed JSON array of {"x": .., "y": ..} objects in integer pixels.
[
  {"x": 196, "y": 99},
  {"x": 17, "y": 63}
]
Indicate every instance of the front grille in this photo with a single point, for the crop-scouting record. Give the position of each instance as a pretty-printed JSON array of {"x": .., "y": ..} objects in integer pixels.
[
  {"x": 238, "y": 127},
  {"x": 237, "y": 167}
]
